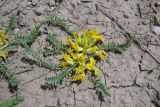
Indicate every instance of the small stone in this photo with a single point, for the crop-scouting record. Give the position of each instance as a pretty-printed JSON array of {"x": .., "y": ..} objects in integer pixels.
[
  {"x": 157, "y": 4},
  {"x": 16, "y": 30},
  {"x": 40, "y": 10},
  {"x": 34, "y": 2},
  {"x": 58, "y": 1},
  {"x": 29, "y": 3},
  {"x": 51, "y": 3},
  {"x": 38, "y": 13},
  {"x": 145, "y": 22},
  {"x": 156, "y": 30},
  {"x": 125, "y": 16},
  {"x": 45, "y": 31},
  {"x": 4, "y": 23}
]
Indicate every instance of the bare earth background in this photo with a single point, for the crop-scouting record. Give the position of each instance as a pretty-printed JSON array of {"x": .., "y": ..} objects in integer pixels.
[{"x": 133, "y": 79}]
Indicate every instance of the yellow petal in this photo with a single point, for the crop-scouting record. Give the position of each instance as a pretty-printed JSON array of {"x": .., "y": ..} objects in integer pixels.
[
  {"x": 83, "y": 57},
  {"x": 102, "y": 38},
  {"x": 92, "y": 50},
  {"x": 63, "y": 64},
  {"x": 70, "y": 51},
  {"x": 74, "y": 45},
  {"x": 80, "y": 69},
  {"x": 92, "y": 61},
  {"x": 85, "y": 33},
  {"x": 85, "y": 38},
  {"x": 75, "y": 35},
  {"x": 101, "y": 54},
  {"x": 76, "y": 56},
  {"x": 70, "y": 42},
  {"x": 3, "y": 38},
  {"x": 96, "y": 70},
  {"x": 89, "y": 66},
  {"x": 77, "y": 47},
  {"x": 99, "y": 37},
  {"x": 81, "y": 76},
  {"x": 96, "y": 35},
  {"x": 66, "y": 57},
  {"x": 4, "y": 54}
]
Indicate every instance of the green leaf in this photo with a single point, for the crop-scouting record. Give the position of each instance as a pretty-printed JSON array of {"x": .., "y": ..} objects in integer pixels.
[
  {"x": 41, "y": 61},
  {"x": 12, "y": 101},
  {"x": 118, "y": 48},
  {"x": 56, "y": 80},
  {"x": 100, "y": 87},
  {"x": 8, "y": 48},
  {"x": 56, "y": 21},
  {"x": 9, "y": 75},
  {"x": 11, "y": 26},
  {"x": 57, "y": 46},
  {"x": 30, "y": 38}
]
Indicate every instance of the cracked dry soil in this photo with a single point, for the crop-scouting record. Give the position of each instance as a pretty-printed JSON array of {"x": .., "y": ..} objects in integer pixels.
[{"x": 133, "y": 78}]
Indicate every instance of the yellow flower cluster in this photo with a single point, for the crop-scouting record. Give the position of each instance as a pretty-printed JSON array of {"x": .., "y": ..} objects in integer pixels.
[
  {"x": 82, "y": 51},
  {"x": 3, "y": 41}
]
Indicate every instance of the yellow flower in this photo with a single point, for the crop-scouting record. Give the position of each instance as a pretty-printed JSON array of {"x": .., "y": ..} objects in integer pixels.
[
  {"x": 63, "y": 64},
  {"x": 85, "y": 35},
  {"x": 4, "y": 54},
  {"x": 101, "y": 54},
  {"x": 87, "y": 40},
  {"x": 75, "y": 35},
  {"x": 70, "y": 50},
  {"x": 92, "y": 50},
  {"x": 83, "y": 58},
  {"x": 77, "y": 38},
  {"x": 80, "y": 76},
  {"x": 77, "y": 47},
  {"x": 70, "y": 42},
  {"x": 96, "y": 35},
  {"x": 74, "y": 45},
  {"x": 91, "y": 65},
  {"x": 76, "y": 55},
  {"x": 81, "y": 49},
  {"x": 68, "y": 59},
  {"x": 79, "y": 57},
  {"x": 3, "y": 36},
  {"x": 80, "y": 69},
  {"x": 96, "y": 70},
  {"x": 3, "y": 41}
]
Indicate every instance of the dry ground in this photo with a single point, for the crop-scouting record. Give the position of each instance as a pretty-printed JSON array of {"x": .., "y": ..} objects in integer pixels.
[{"x": 133, "y": 79}]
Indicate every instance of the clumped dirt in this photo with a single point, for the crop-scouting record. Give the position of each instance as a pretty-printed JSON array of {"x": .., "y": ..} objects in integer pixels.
[{"x": 133, "y": 78}]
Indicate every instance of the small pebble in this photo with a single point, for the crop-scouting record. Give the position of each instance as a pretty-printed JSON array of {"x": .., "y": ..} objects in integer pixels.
[
  {"x": 125, "y": 16},
  {"x": 39, "y": 10},
  {"x": 145, "y": 22},
  {"x": 156, "y": 30},
  {"x": 16, "y": 30},
  {"x": 34, "y": 2},
  {"x": 157, "y": 4}
]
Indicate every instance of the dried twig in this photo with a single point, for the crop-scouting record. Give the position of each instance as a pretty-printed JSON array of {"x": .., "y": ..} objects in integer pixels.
[
  {"x": 23, "y": 71},
  {"x": 9, "y": 11},
  {"x": 153, "y": 8},
  {"x": 139, "y": 10},
  {"x": 36, "y": 78}
]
